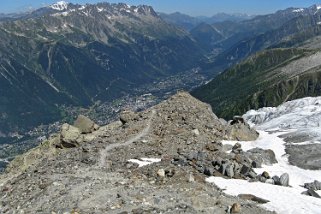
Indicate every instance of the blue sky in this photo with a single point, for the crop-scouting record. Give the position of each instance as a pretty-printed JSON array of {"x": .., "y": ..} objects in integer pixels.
[{"x": 191, "y": 7}]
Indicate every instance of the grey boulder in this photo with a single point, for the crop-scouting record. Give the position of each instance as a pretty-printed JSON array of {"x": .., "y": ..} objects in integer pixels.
[{"x": 284, "y": 179}]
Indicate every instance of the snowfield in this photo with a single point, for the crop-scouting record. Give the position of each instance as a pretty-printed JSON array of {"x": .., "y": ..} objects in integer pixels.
[
  {"x": 145, "y": 161},
  {"x": 300, "y": 117},
  {"x": 283, "y": 200}
]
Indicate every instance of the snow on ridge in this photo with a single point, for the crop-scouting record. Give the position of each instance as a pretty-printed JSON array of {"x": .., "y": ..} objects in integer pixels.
[
  {"x": 300, "y": 10},
  {"x": 82, "y": 7},
  {"x": 60, "y": 5},
  {"x": 100, "y": 9}
]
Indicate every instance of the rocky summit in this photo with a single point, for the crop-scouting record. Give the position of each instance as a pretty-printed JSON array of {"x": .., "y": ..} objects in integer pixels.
[{"x": 155, "y": 161}]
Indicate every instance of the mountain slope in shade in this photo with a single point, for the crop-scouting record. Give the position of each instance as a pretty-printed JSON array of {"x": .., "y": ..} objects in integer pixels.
[
  {"x": 292, "y": 33},
  {"x": 189, "y": 22},
  {"x": 268, "y": 78},
  {"x": 206, "y": 35},
  {"x": 77, "y": 55}
]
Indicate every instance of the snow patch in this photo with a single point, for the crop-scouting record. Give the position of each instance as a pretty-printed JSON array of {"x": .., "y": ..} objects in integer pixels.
[
  {"x": 52, "y": 86},
  {"x": 60, "y": 5},
  {"x": 298, "y": 10},
  {"x": 82, "y": 7},
  {"x": 100, "y": 9},
  {"x": 64, "y": 13},
  {"x": 85, "y": 13},
  {"x": 144, "y": 161}
]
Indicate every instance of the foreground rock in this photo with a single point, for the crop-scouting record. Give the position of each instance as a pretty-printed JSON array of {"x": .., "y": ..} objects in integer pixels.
[
  {"x": 85, "y": 125},
  {"x": 77, "y": 172},
  {"x": 70, "y": 136}
]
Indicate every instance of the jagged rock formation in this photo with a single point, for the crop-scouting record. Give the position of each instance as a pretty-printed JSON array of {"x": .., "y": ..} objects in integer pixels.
[{"x": 95, "y": 176}]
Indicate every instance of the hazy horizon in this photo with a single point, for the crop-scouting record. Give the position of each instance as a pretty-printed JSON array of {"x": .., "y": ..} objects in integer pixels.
[{"x": 189, "y": 7}]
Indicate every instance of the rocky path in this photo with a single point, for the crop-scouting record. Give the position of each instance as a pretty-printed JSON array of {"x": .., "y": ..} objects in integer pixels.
[{"x": 141, "y": 134}]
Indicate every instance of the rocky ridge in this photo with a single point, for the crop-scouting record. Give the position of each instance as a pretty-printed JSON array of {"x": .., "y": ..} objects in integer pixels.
[{"x": 91, "y": 169}]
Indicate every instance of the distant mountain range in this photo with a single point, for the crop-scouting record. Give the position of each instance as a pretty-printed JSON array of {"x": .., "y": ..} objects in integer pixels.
[{"x": 189, "y": 22}]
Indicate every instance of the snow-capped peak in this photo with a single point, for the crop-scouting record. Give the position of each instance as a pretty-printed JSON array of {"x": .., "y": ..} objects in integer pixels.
[
  {"x": 318, "y": 7},
  {"x": 299, "y": 10},
  {"x": 60, "y": 5}
]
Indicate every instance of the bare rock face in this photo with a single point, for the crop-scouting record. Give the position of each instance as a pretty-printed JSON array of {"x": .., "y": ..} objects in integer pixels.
[{"x": 85, "y": 125}]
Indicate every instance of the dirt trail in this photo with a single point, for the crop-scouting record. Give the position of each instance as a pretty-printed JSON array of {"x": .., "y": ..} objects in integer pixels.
[{"x": 141, "y": 134}]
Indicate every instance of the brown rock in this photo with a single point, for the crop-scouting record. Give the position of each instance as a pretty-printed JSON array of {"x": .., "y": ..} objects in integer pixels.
[
  {"x": 127, "y": 116},
  {"x": 236, "y": 208},
  {"x": 85, "y": 125},
  {"x": 266, "y": 175}
]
